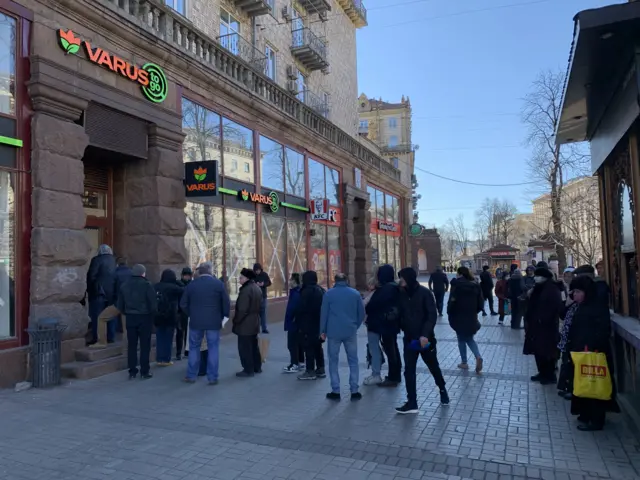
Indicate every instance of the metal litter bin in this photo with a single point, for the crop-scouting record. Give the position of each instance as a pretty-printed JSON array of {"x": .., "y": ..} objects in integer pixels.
[{"x": 46, "y": 350}]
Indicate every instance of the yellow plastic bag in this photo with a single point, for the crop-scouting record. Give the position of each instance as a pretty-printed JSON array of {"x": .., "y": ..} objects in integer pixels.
[
  {"x": 592, "y": 377},
  {"x": 264, "y": 347}
]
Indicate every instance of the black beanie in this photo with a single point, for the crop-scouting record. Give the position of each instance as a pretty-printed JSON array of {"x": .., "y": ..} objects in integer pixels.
[
  {"x": 409, "y": 275},
  {"x": 581, "y": 283},
  {"x": 543, "y": 272},
  {"x": 248, "y": 273}
]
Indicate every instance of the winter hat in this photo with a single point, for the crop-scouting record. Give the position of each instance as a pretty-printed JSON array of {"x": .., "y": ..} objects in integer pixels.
[
  {"x": 542, "y": 264},
  {"x": 585, "y": 270},
  {"x": 187, "y": 271},
  {"x": 581, "y": 283},
  {"x": 257, "y": 266},
  {"x": 248, "y": 273},
  {"x": 409, "y": 275},
  {"x": 569, "y": 270},
  {"x": 543, "y": 272},
  {"x": 138, "y": 270}
]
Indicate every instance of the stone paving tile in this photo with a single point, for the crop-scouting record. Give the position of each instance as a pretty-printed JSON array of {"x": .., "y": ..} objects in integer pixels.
[{"x": 498, "y": 426}]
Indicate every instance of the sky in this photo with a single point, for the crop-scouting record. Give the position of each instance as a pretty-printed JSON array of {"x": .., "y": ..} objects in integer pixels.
[{"x": 465, "y": 65}]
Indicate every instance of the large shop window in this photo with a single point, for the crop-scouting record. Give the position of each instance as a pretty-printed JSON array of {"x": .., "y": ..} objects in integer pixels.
[
  {"x": 274, "y": 253},
  {"x": 240, "y": 242},
  {"x": 271, "y": 164},
  {"x": 237, "y": 141},
  {"x": 202, "y": 129},
  {"x": 204, "y": 240},
  {"x": 7, "y": 259},
  {"x": 385, "y": 228}
]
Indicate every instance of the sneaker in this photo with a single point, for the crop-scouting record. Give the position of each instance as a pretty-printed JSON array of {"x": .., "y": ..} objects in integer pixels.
[
  {"x": 265, "y": 331},
  {"x": 320, "y": 373},
  {"x": 372, "y": 380},
  {"x": 189, "y": 380},
  {"x": 146, "y": 376},
  {"x": 164, "y": 364},
  {"x": 290, "y": 368},
  {"x": 178, "y": 358},
  {"x": 307, "y": 376},
  {"x": 388, "y": 383},
  {"x": 213, "y": 382},
  {"x": 333, "y": 396},
  {"x": 132, "y": 376},
  {"x": 407, "y": 409},
  {"x": 463, "y": 366},
  {"x": 444, "y": 397},
  {"x": 257, "y": 371},
  {"x": 500, "y": 322},
  {"x": 479, "y": 363},
  {"x": 484, "y": 314},
  {"x": 536, "y": 378},
  {"x": 302, "y": 367},
  {"x": 356, "y": 396}
]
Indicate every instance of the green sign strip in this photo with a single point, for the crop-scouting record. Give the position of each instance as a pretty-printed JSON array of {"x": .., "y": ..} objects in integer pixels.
[
  {"x": 295, "y": 207},
  {"x": 227, "y": 191},
  {"x": 14, "y": 142}
]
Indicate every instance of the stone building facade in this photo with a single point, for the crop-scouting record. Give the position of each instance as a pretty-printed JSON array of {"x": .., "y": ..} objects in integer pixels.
[
  {"x": 95, "y": 148},
  {"x": 426, "y": 251}
]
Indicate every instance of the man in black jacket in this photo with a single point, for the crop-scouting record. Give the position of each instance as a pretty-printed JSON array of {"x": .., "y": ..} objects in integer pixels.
[
  {"x": 100, "y": 283},
  {"x": 263, "y": 281},
  {"x": 439, "y": 284},
  {"x": 307, "y": 319},
  {"x": 486, "y": 284},
  {"x": 137, "y": 302},
  {"x": 183, "y": 318},
  {"x": 417, "y": 321},
  {"x": 168, "y": 294}
]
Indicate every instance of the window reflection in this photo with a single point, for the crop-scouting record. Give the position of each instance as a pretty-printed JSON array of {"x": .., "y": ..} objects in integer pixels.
[
  {"x": 204, "y": 238},
  {"x": 271, "y": 164},
  {"x": 332, "y": 182},
  {"x": 240, "y": 238},
  {"x": 238, "y": 146},
  {"x": 296, "y": 247},
  {"x": 294, "y": 173},
  {"x": 335, "y": 262},
  {"x": 7, "y": 265},
  {"x": 8, "y": 65},
  {"x": 202, "y": 129},
  {"x": 319, "y": 254},
  {"x": 274, "y": 255},
  {"x": 316, "y": 179},
  {"x": 388, "y": 203}
]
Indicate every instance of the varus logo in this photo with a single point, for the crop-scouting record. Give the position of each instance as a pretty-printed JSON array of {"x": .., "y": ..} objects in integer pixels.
[
  {"x": 151, "y": 78},
  {"x": 593, "y": 371},
  {"x": 200, "y": 174},
  {"x": 272, "y": 200}
]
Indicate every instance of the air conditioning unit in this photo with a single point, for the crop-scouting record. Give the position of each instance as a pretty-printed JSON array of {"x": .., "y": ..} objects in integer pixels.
[
  {"x": 323, "y": 16},
  {"x": 326, "y": 70},
  {"x": 292, "y": 86},
  {"x": 292, "y": 72},
  {"x": 286, "y": 13}
]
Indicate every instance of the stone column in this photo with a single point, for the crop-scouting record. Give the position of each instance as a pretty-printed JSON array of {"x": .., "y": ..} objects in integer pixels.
[
  {"x": 156, "y": 222},
  {"x": 59, "y": 248},
  {"x": 356, "y": 223}
]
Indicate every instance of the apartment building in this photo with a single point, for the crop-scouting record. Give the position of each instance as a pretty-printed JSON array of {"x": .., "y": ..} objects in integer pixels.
[{"x": 179, "y": 131}]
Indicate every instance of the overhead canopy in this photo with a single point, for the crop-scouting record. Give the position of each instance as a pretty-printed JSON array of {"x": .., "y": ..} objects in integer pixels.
[{"x": 601, "y": 55}]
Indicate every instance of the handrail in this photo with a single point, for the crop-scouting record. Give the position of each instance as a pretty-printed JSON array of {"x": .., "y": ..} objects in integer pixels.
[
  {"x": 240, "y": 47},
  {"x": 304, "y": 37}
]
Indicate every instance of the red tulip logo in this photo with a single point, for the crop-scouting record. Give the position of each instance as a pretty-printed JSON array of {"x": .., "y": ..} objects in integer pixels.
[{"x": 68, "y": 41}]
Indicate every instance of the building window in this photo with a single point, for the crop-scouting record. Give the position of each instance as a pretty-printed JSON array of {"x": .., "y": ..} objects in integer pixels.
[
  {"x": 301, "y": 87},
  {"x": 177, "y": 5},
  {"x": 393, "y": 141},
  {"x": 395, "y": 162},
  {"x": 204, "y": 240},
  {"x": 332, "y": 186},
  {"x": 294, "y": 173},
  {"x": 271, "y": 164},
  {"x": 234, "y": 165},
  {"x": 202, "y": 129},
  {"x": 270, "y": 67},
  {"x": 247, "y": 167},
  {"x": 240, "y": 243},
  {"x": 274, "y": 253},
  {"x": 296, "y": 247},
  {"x": 229, "y": 32},
  {"x": 393, "y": 122},
  {"x": 316, "y": 179},
  {"x": 319, "y": 254},
  {"x": 385, "y": 242},
  {"x": 364, "y": 125},
  {"x": 237, "y": 141}
]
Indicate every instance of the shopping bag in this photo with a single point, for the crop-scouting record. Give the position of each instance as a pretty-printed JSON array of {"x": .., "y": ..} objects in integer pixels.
[
  {"x": 592, "y": 377},
  {"x": 507, "y": 307},
  {"x": 264, "y": 347}
]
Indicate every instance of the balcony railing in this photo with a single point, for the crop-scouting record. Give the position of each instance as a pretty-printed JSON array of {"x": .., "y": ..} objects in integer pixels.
[
  {"x": 315, "y": 6},
  {"x": 254, "y": 8},
  {"x": 179, "y": 35},
  {"x": 309, "y": 49},
  {"x": 356, "y": 12},
  {"x": 401, "y": 148},
  {"x": 245, "y": 50},
  {"x": 316, "y": 102}
]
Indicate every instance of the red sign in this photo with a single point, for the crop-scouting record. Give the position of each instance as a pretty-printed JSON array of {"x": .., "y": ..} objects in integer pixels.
[
  {"x": 502, "y": 254},
  {"x": 334, "y": 215},
  {"x": 386, "y": 228},
  {"x": 320, "y": 209}
]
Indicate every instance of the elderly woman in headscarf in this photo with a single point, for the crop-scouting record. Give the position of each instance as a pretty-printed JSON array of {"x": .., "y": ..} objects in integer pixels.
[{"x": 101, "y": 280}]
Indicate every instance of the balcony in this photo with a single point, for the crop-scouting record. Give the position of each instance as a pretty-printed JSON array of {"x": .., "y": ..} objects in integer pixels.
[
  {"x": 356, "y": 12},
  {"x": 245, "y": 50},
  {"x": 401, "y": 148},
  {"x": 253, "y": 8},
  {"x": 185, "y": 47},
  {"x": 315, "y": 6},
  {"x": 309, "y": 49},
  {"x": 315, "y": 102}
]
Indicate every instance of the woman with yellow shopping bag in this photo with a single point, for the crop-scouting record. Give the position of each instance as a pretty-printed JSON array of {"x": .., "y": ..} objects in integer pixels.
[{"x": 588, "y": 340}]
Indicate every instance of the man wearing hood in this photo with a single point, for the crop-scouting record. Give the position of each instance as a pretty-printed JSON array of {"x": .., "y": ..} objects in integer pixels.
[
  {"x": 417, "y": 321},
  {"x": 168, "y": 294},
  {"x": 439, "y": 284},
  {"x": 101, "y": 280},
  {"x": 307, "y": 319},
  {"x": 263, "y": 281},
  {"x": 246, "y": 324},
  {"x": 383, "y": 320},
  {"x": 486, "y": 285},
  {"x": 183, "y": 319}
]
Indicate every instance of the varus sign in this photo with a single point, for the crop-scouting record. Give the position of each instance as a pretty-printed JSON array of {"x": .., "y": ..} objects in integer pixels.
[
  {"x": 387, "y": 226},
  {"x": 150, "y": 76},
  {"x": 201, "y": 178},
  {"x": 272, "y": 200}
]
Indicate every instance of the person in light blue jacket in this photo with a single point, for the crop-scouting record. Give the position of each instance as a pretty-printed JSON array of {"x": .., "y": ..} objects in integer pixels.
[{"x": 341, "y": 315}]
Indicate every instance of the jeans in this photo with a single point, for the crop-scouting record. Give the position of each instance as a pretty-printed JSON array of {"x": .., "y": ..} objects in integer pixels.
[
  {"x": 263, "y": 315},
  {"x": 374, "y": 349},
  {"x": 430, "y": 358},
  {"x": 249, "y": 353},
  {"x": 139, "y": 330},
  {"x": 314, "y": 355},
  {"x": 439, "y": 300},
  {"x": 164, "y": 340},
  {"x": 463, "y": 341},
  {"x": 351, "y": 349},
  {"x": 213, "y": 345},
  {"x": 391, "y": 350},
  {"x": 294, "y": 345},
  {"x": 96, "y": 306}
]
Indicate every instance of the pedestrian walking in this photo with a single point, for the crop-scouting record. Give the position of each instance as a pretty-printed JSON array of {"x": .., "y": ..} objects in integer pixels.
[
  {"x": 439, "y": 284},
  {"x": 375, "y": 356},
  {"x": 486, "y": 284},
  {"x": 294, "y": 344},
  {"x": 137, "y": 302},
  {"x": 542, "y": 326},
  {"x": 101, "y": 280},
  {"x": 183, "y": 319},
  {"x": 307, "y": 319},
  {"x": 501, "y": 293},
  {"x": 418, "y": 321},
  {"x": 516, "y": 293},
  {"x": 207, "y": 303},
  {"x": 383, "y": 321},
  {"x": 341, "y": 315},
  {"x": 465, "y": 302},
  {"x": 246, "y": 323},
  {"x": 122, "y": 274},
  {"x": 168, "y": 294},
  {"x": 263, "y": 281}
]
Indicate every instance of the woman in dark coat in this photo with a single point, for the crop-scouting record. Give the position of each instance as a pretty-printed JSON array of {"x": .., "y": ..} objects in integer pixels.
[
  {"x": 590, "y": 330},
  {"x": 542, "y": 324},
  {"x": 465, "y": 302}
]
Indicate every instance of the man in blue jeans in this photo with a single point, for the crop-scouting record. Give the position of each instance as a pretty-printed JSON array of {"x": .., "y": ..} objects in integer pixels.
[
  {"x": 341, "y": 315},
  {"x": 206, "y": 302}
]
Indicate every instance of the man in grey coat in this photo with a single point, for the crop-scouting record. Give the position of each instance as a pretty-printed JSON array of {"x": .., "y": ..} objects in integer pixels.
[{"x": 207, "y": 303}]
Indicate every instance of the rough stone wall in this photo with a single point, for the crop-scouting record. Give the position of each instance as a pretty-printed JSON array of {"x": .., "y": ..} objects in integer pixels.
[{"x": 429, "y": 241}]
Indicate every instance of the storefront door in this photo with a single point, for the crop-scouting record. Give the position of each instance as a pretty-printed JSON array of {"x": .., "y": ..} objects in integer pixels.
[{"x": 97, "y": 201}]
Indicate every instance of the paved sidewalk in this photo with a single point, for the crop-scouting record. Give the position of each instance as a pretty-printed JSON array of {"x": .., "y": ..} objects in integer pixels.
[{"x": 498, "y": 425}]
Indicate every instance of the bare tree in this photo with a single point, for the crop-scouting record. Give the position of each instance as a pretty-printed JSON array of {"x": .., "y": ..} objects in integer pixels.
[
  {"x": 460, "y": 232},
  {"x": 481, "y": 232},
  {"x": 448, "y": 244},
  {"x": 505, "y": 221},
  {"x": 581, "y": 223},
  {"x": 550, "y": 164},
  {"x": 496, "y": 218}
]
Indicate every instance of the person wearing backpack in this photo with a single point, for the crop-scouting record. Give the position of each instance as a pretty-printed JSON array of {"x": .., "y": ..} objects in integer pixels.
[{"x": 168, "y": 294}]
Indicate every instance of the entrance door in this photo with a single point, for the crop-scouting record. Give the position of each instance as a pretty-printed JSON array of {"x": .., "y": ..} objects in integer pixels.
[
  {"x": 98, "y": 205},
  {"x": 422, "y": 260}
]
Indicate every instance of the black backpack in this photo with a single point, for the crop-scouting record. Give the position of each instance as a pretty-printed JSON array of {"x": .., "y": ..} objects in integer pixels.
[{"x": 166, "y": 311}]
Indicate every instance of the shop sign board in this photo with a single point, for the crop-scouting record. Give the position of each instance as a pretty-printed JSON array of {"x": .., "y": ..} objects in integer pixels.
[
  {"x": 201, "y": 178},
  {"x": 271, "y": 200},
  {"x": 387, "y": 226},
  {"x": 383, "y": 227},
  {"x": 502, "y": 254},
  {"x": 152, "y": 80},
  {"x": 415, "y": 230},
  {"x": 320, "y": 209}
]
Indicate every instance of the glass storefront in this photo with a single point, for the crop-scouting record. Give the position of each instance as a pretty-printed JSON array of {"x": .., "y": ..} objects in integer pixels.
[{"x": 385, "y": 228}]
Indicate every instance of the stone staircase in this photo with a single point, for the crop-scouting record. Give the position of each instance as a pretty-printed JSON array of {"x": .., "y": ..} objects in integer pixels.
[{"x": 95, "y": 362}]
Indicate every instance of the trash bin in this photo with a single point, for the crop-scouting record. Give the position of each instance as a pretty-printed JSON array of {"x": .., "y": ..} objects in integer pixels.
[{"x": 46, "y": 346}]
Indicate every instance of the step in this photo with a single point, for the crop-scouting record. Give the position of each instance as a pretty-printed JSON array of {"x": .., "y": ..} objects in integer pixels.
[
  {"x": 85, "y": 370},
  {"x": 95, "y": 354}
]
